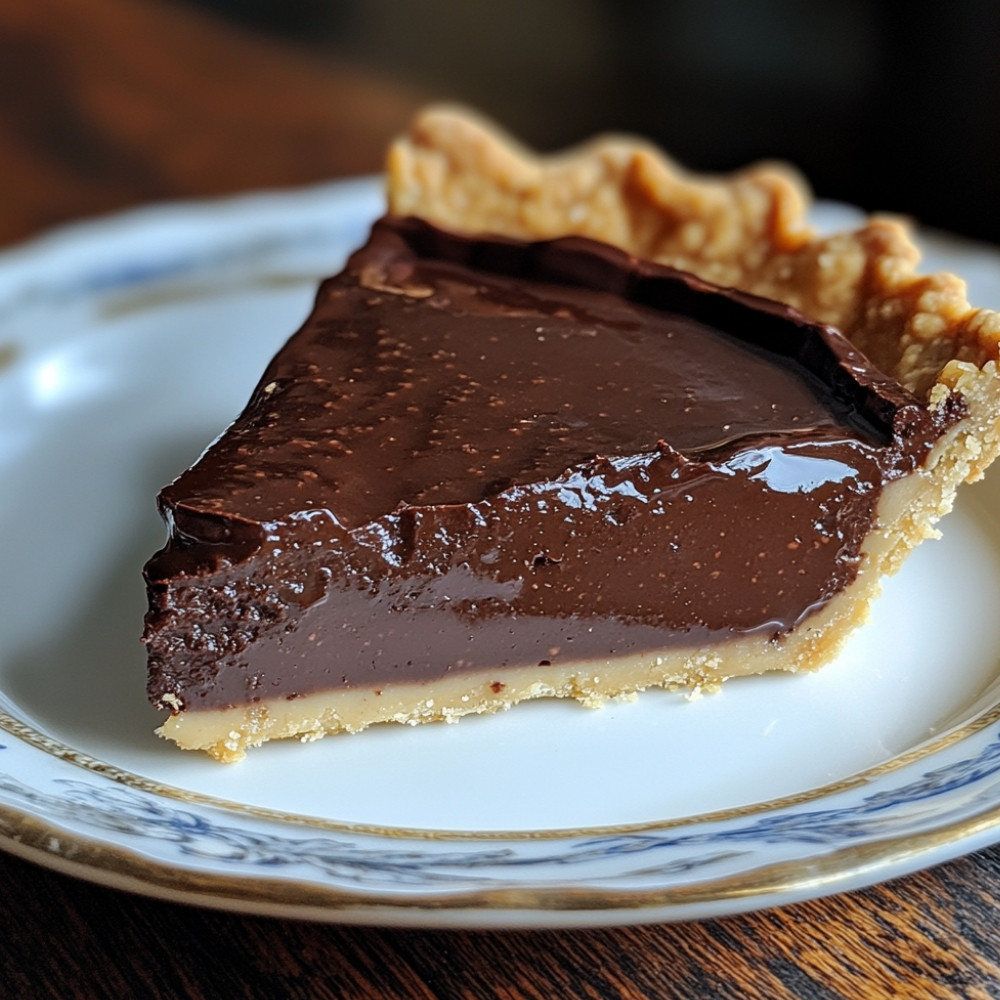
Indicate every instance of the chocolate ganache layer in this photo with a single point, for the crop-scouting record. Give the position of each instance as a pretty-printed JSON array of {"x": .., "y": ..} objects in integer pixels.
[{"x": 480, "y": 453}]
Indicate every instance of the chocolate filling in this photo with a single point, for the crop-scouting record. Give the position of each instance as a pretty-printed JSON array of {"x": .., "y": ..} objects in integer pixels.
[{"x": 479, "y": 453}]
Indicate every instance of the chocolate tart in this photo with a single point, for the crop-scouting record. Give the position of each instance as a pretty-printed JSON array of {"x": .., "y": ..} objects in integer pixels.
[{"x": 526, "y": 446}]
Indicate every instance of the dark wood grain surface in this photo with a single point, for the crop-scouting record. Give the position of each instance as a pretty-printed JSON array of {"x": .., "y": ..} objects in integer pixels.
[{"x": 110, "y": 103}]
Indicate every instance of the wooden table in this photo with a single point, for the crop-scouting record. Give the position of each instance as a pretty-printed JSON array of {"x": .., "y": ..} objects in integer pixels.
[{"x": 110, "y": 103}]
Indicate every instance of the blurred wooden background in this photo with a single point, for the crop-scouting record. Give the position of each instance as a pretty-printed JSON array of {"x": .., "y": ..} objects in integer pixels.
[
  {"x": 108, "y": 103},
  {"x": 888, "y": 107}
]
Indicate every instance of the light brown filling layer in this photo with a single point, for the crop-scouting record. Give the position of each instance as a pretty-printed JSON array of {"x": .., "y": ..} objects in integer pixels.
[{"x": 907, "y": 511}]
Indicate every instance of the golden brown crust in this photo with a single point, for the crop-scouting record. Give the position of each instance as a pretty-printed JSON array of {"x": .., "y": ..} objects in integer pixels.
[{"x": 748, "y": 230}]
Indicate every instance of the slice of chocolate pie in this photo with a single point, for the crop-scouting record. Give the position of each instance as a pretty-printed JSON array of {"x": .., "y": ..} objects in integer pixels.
[{"x": 499, "y": 462}]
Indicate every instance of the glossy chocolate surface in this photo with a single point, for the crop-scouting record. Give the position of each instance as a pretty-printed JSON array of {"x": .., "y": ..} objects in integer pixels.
[{"x": 484, "y": 453}]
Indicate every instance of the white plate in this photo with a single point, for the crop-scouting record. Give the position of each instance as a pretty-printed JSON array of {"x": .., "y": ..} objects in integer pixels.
[{"x": 126, "y": 345}]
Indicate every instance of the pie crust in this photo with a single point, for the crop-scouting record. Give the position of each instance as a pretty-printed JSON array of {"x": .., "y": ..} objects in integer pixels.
[{"x": 748, "y": 231}]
